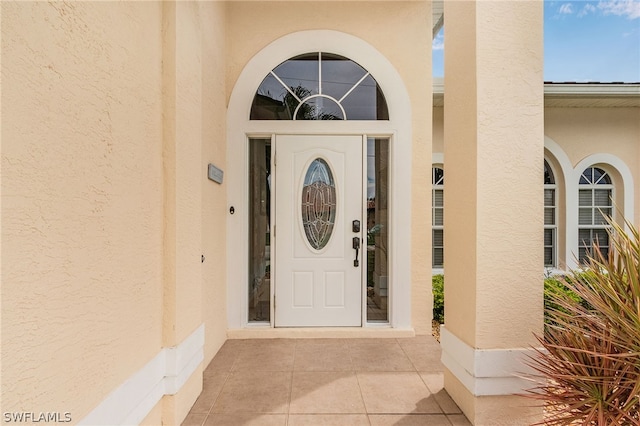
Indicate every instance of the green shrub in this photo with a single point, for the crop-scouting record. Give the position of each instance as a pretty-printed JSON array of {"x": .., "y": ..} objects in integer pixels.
[{"x": 437, "y": 283}]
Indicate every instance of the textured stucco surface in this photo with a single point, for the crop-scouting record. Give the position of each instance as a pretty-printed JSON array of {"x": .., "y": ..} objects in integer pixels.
[
  {"x": 494, "y": 136},
  {"x": 110, "y": 114},
  {"x": 582, "y": 132},
  {"x": 82, "y": 200},
  {"x": 494, "y": 139},
  {"x": 253, "y": 25},
  {"x": 214, "y": 307}
]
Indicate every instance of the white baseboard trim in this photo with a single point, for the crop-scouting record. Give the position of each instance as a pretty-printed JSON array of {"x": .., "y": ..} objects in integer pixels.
[
  {"x": 165, "y": 374},
  {"x": 486, "y": 372}
]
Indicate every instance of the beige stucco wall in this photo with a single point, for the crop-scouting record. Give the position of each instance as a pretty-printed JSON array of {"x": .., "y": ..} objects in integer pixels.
[
  {"x": 81, "y": 200},
  {"x": 494, "y": 135},
  {"x": 214, "y": 206},
  {"x": 399, "y": 30},
  {"x": 582, "y": 132},
  {"x": 110, "y": 114},
  {"x": 494, "y": 149}
]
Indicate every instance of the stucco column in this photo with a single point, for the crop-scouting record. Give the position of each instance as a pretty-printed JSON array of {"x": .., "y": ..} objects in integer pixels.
[
  {"x": 182, "y": 178},
  {"x": 494, "y": 139}
]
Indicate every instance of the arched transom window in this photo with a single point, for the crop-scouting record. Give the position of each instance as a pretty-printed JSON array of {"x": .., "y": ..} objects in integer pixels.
[
  {"x": 595, "y": 205},
  {"x": 319, "y": 86}
]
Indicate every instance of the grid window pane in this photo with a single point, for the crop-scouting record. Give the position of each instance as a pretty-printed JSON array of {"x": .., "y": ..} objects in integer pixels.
[
  {"x": 601, "y": 237},
  {"x": 549, "y": 216},
  {"x": 602, "y": 197},
  {"x": 438, "y": 176},
  {"x": 585, "y": 197},
  {"x": 597, "y": 174},
  {"x": 549, "y": 197},
  {"x": 584, "y": 237},
  {"x": 582, "y": 254},
  {"x": 438, "y": 198},
  {"x": 548, "y": 256},
  {"x": 438, "y": 217},
  {"x": 601, "y": 216},
  {"x": 585, "y": 216},
  {"x": 548, "y": 237},
  {"x": 438, "y": 257},
  {"x": 438, "y": 238}
]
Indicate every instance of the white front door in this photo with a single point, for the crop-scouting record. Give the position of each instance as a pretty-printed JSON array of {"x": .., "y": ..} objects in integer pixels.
[{"x": 318, "y": 195}]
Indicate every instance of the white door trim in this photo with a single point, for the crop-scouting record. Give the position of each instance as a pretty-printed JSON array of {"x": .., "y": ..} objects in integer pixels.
[{"x": 398, "y": 128}]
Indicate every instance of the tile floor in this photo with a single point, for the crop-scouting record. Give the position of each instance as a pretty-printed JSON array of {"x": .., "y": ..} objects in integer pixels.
[{"x": 318, "y": 382}]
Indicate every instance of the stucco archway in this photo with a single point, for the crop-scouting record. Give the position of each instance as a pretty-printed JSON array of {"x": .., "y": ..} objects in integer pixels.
[{"x": 398, "y": 128}]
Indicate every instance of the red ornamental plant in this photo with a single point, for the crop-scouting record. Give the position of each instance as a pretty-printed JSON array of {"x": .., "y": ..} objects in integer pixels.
[{"x": 589, "y": 360}]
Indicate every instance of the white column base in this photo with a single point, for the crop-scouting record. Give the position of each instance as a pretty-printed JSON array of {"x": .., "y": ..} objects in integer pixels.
[{"x": 486, "y": 372}]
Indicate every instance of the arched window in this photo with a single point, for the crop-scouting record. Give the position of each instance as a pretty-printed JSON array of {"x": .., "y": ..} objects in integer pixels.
[
  {"x": 437, "y": 217},
  {"x": 550, "y": 218},
  {"x": 319, "y": 86},
  {"x": 594, "y": 207}
]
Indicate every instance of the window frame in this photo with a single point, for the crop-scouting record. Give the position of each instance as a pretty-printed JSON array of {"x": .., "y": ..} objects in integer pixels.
[
  {"x": 436, "y": 186},
  {"x": 592, "y": 227},
  {"x": 551, "y": 186}
]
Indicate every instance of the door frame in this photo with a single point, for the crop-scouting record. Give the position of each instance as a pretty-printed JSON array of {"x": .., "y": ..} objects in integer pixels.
[{"x": 397, "y": 129}]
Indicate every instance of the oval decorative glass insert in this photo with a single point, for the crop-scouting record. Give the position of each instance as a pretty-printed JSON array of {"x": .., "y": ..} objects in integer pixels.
[{"x": 318, "y": 204}]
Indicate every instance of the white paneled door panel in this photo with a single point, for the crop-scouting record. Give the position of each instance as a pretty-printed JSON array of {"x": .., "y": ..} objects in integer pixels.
[{"x": 318, "y": 195}]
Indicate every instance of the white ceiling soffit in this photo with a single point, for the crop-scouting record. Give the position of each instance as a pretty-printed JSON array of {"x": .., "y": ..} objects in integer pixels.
[{"x": 437, "y": 7}]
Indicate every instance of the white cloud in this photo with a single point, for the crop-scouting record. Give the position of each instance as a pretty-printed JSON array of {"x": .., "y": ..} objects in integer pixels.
[
  {"x": 628, "y": 8},
  {"x": 566, "y": 9},
  {"x": 438, "y": 42},
  {"x": 587, "y": 9}
]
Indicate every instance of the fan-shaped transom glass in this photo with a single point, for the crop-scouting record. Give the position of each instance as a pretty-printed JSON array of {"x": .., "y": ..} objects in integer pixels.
[
  {"x": 318, "y": 204},
  {"x": 319, "y": 86}
]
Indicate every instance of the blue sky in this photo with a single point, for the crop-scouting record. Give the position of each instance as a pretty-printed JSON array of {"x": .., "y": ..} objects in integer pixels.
[{"x": 586, "y": 40}]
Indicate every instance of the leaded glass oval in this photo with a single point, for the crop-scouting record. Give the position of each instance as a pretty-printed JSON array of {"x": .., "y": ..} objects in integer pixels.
[{"x": 318, "y": 203}]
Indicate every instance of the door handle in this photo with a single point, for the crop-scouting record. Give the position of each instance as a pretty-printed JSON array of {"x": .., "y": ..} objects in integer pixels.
[{"x": 356, "y": 246}]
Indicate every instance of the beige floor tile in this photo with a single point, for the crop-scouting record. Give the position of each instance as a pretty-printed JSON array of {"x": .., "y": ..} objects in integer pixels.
[
  {"x": 422, "y": 340},
  {"x": 211, "y": 387},
  {"x": 325, "y": 392},
  {"x": 459, "y": 420},
  {"x": 409, "y": 420},
  {"x": 194, "y": 419},
  {"x": 329, "y": 356},
  {"x": 328, "y": 420},
  {"x": 435, "y": 383},
  {"x": 396, "y": 392},
  {"x": 322, "y": 341},
  {"x": 380, "y": 356},
  {"x": 424, "y": 357},
  {"x": 246, "y": 419},
  {"x": 226, "y": 356},
  {"x": 266, "y": 355},
  {"x": 255, "y": 392}
]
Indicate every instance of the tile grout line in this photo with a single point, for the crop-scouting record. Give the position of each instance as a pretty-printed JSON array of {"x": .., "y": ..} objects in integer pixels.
[{"x": 229, "y": 373}]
